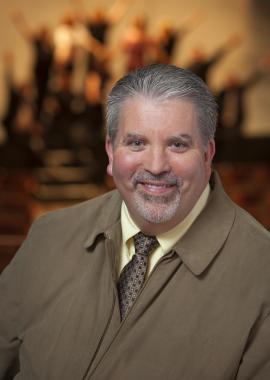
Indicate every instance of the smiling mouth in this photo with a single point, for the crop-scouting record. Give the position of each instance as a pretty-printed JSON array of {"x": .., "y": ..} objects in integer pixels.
[
  {"x": 162, "y": 185},
  {"x": 156, "y": 188}
]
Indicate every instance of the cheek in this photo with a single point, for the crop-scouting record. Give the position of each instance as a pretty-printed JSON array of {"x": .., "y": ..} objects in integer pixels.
[
  {"x": 189, "y": 167},
  {"x": 182, "y": 165},
  {"x": 124, "y": 165}
]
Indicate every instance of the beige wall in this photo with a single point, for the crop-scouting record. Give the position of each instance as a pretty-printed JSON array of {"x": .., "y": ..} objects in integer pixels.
[{"x": 248, "y": 18}]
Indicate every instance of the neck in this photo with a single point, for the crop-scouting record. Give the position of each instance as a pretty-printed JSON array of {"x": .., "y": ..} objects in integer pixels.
[{"x": 155, "y": 229}]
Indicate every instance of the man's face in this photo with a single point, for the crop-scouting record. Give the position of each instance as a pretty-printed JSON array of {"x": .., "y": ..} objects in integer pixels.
[{"x": 158, "y": 161}]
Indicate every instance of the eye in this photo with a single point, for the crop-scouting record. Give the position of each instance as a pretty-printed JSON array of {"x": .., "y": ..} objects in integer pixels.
[
  {"x": 136, "y": 144},
  {"x": 178, "y": 146}
]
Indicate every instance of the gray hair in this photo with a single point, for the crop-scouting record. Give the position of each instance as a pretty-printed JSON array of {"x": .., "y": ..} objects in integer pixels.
[{"x": 163, "y": 82}]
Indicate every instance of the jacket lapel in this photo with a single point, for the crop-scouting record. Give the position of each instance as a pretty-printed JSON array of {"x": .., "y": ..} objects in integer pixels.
[{"x": 202, "y": 242}]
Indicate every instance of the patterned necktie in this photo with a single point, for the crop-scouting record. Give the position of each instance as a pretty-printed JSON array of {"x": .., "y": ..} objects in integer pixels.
[{"x": 133, "y": 274}]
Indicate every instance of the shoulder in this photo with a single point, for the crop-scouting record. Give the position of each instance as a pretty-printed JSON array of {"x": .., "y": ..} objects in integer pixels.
[
  {"x": 250, "y": 233},
  {"x": 241, "y": 232},
  {"x": 56, "y": 229},
  {"x": 90, "y": 209},
  {"x": 62, "y": 233},
  {"x": 246, "y": 255}
]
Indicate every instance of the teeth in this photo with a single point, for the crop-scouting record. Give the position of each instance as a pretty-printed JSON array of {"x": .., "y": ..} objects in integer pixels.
[{"x": 156, "y": 186}]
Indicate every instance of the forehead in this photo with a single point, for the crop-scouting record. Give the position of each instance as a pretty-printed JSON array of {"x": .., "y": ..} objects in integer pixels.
[{"x": 153, "y": 114}]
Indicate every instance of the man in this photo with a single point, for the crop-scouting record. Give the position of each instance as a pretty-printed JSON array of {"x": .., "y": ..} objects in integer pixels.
[{"x": 198, "y": 305}]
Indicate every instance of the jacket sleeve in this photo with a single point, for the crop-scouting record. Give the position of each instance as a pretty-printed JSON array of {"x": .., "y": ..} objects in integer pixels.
[
  {"x": 10, "y": 293},
  {"x": 255, "y": 364}
]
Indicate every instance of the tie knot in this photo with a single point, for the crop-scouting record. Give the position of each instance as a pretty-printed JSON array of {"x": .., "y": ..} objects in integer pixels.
[{"x": 144, "y": 244}]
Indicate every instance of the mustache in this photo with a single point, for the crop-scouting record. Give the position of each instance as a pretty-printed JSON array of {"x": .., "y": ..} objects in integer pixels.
[{"x": 166, "y": 178}]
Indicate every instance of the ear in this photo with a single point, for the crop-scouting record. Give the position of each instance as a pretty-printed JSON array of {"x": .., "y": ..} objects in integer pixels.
[
  {"x": 209, "y": 155},
  {"x": 109, "y": 150},
  {"x": 211, "y": 150}
]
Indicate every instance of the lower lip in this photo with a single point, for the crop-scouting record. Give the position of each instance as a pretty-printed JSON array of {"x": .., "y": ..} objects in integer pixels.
[{"x": 156, "y": 190}]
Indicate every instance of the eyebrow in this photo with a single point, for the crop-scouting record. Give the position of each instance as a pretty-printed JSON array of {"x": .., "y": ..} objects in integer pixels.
[
  {"x": 183, "y": 137},
  {"x": 132, "y": 136}
]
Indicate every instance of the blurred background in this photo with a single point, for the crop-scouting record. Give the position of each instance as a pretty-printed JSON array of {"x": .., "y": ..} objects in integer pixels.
[{"x": 59, "y": 60}]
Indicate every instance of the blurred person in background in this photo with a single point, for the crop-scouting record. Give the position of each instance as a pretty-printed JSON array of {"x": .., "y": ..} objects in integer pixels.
[
  {"x": 201, "y": 64},
  {"x": 169, "y": 37},
  {"x": 43, "y": 51},
  {"x": 23, "y": 134}
]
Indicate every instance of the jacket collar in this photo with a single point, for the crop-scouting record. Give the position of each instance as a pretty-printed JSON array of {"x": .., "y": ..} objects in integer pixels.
[
  {"x": 204, "y": 239},
  {"x": 106, "y": 217}
]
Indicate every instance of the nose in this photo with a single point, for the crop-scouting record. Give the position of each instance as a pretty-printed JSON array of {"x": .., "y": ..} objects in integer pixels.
[{"x": 156, "y": 161}]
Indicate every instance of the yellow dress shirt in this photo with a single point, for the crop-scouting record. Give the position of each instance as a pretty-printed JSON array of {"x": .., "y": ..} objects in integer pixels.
[{"x": 166, "y": 240}]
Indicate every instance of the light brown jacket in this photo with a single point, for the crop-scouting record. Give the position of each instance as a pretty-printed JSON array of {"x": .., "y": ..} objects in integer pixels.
[{"x": 203, "y": 314}]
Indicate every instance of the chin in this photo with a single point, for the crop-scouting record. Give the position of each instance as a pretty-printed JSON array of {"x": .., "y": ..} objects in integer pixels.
[{"x": 157, "y": 213}]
